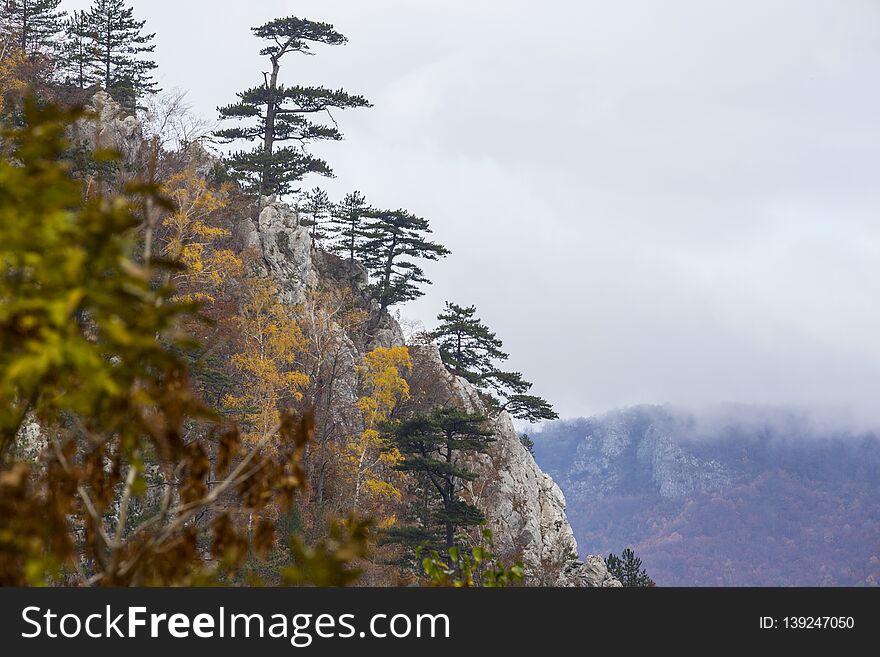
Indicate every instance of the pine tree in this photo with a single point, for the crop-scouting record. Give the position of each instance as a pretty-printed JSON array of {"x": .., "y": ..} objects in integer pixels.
[
  {"x": 275, "y": 114},
  {"x": 391, "y": 240},
  {"x": 78, "y": 52},
  {"x": 467, "y": 346},
  {"x": 469, "y": 349},
  {"x": 315, "y": 212},
  {"x": 346, "y": 219},
  {"x": 35, "y": 25},
  {"x": 431, "y": 446},
  {"x": 119, "y": 45},
  {"x": 627, "y": 568}
]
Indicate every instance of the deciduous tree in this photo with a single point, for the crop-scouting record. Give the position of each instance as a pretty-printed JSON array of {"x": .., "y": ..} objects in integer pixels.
[
  {"x": 371, "y": 457},
  {"x": 90, "y": 360},
  {"x": 271, "y": 341},
  {"x": 190, "y": 238}
]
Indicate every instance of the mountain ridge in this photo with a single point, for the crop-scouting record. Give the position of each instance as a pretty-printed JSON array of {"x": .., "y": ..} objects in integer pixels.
[{"x": 768, "y": 499}]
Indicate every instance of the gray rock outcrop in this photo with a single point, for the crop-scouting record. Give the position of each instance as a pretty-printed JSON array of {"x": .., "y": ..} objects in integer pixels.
[
  {"x": 110, "y": 127},
  {"x": 525, "y": 509}
]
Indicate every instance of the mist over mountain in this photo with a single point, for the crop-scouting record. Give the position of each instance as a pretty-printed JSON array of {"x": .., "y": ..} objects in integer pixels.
[{"x": 740, "y": 496}]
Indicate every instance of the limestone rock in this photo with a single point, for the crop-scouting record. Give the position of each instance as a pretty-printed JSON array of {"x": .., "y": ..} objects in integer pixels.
[
  {"x": 283, "y": 249},
  {"x": 524, "y": 508},
  {"x": 111, "y": 127}
]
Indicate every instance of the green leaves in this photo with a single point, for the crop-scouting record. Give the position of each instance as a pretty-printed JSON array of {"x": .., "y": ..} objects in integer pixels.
[
  {"x": 278, "y": 170},
  {"x": 329, "y": 563},
  {"x": 34, "y": 25},
  {"x": 294, "y": 34},
  {"x": 107, "y": 44},
  {"x": 627, "y": 568},
  {"x": 78, "y": 319},
  {"x": 477, "y": 568}
]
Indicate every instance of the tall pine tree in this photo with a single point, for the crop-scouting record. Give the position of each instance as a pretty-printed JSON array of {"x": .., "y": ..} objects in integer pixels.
[
  {"x": 346, "y": 220},
  {"x": 469, "y": 349},
  {"x": 431, "y": 446},
  {"x": 119, "y": 49},
  {"x": 274, "y": 115},
  {"x": 34, "y": 25},
  {"x": 78, "y": 54},
  {"x": 315, "y": 213},
  {"x": 391, "y": 240}
]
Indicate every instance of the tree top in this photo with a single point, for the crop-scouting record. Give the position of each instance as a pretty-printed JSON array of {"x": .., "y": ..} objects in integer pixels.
[{"x": 294, "y": 34}]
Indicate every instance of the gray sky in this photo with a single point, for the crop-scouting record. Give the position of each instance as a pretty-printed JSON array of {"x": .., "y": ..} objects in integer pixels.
[{"x": 649, "y": 202}]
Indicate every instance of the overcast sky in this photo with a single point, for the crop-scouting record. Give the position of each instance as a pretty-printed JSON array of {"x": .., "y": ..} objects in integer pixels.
[{"x": 648, "y": 201}]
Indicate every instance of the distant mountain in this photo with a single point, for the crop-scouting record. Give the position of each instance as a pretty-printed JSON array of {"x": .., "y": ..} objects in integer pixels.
[{"x": 747, "y": 497}]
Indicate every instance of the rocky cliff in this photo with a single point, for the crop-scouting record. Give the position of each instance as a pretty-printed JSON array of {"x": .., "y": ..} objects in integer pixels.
[{"x": 524, "y": 507}]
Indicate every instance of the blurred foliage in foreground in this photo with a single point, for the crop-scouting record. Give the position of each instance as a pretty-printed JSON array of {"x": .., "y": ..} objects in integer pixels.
[{"x": 90, "y": 366}]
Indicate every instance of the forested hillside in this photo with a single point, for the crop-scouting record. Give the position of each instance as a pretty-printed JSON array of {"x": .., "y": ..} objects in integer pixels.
[
  {"x": 201, "y": 376},
  {"x": 752, "y": 497}
]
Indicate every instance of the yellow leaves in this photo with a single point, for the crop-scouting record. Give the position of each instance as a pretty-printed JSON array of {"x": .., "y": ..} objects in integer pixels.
[
  {"x": 382, "y": 372},
  {"x": 369, "y": 454},
  {"x": 382, "y": 489},
  {"x": 270, "y": 344},
  {"x": 190, "y": 238},
  {"x": 387, "y": 523},
  {"x": 11, "y": 83}
]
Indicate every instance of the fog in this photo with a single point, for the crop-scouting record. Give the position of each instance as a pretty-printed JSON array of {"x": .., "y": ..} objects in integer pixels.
[{"x": 649, "y": 202}]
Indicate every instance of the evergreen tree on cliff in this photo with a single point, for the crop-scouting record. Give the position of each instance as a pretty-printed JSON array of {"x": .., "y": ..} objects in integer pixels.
[
  {"x": 346, "y": 220},
  {"x": 79, "y": 53},
  {"x": 276, "y": 116},
  {"x": 34, "y": 26},
  {"x": 391, "y": 240},
  {"x": 315, "y": 213},
  {"x": 469, "y": 349},
  {"x": 431, "y": 446},
  {"x": 627, "y": 568},
  {"x": 119, "y": 51}
]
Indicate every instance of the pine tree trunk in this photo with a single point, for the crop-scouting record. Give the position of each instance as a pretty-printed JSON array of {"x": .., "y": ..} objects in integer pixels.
[
  {"x": 107, "y": 57},
  {"x": 269, "y": 135},
  {"x": 24, "y": 27},
  {"x": 386, "y": 281},
  {"x": 450, "y": 492}
]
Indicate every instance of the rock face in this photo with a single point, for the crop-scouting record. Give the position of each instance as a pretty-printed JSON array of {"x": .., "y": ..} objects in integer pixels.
[
  {"x": 629, "y": 451},
  {"x": 284, "y": 250},
  {"x": 111, "y": 127},
  {"x": 524, "y": 507},
  {"x": 731, "y": 496}
]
